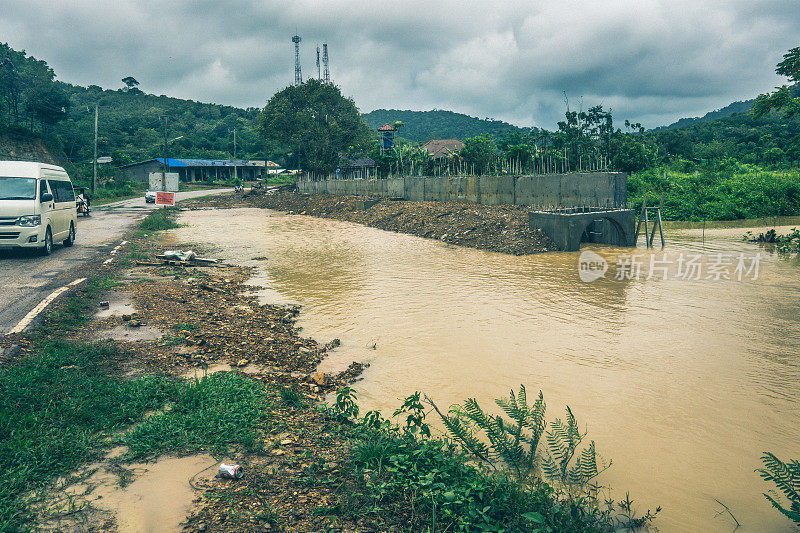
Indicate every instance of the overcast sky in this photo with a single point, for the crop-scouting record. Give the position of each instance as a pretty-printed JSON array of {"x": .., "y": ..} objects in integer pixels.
[{"x": 650, "y": 61}]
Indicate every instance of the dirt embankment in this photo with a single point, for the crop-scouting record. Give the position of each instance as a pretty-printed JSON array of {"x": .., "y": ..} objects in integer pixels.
[
  {"x": 499, "y": 228},
  {"x": 25, "y": 147}
]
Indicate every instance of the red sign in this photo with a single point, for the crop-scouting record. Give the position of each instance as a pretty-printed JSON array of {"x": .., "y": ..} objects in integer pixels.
[{"x": 165, "y": 198}]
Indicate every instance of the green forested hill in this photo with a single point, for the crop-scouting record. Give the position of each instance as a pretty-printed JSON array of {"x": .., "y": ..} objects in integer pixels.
[
  {"x": 131, "y": 127},
  {"x": 421, "y": 126},
  {"x": 771, "y": 140},
  {"x": 728, "y": 110}
]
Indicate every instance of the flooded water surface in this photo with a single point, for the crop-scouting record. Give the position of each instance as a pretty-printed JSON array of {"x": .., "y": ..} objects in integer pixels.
[{"x": 683, "y": 382}]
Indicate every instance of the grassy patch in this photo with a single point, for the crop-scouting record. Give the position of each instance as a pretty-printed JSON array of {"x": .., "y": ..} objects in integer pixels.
[
  {"x": 156, "y": 221},
  {"x": 291, "y": 397},
  {"x": 208, "y": 414},
  {"x": 55, "y": 409},
  {"x": 724, "y": 191},
  {"x": 180, "y": 326},
  {"x": 78, "y": 309}
]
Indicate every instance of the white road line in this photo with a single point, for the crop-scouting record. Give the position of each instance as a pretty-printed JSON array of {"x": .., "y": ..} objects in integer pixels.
[
  {"x": 114, "y": 251},
  {"x": 19, "y": 328}
]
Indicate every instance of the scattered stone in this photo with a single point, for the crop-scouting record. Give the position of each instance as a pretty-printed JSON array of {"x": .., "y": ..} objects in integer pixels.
[
  {"x": 320, "y": 378},
  {"x": 335, "y": 343}
]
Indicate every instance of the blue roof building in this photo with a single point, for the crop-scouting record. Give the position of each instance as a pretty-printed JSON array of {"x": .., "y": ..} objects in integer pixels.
[{"x": 199, "y": 169}]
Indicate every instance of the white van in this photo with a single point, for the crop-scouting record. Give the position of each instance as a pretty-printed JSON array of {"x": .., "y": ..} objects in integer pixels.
[{"x": 37, "y": 206}]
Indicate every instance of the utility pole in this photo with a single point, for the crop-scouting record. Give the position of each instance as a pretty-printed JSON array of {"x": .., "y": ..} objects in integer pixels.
[
  {"x": 94, "y": 163},
  {"x": 234, "y": 154}
]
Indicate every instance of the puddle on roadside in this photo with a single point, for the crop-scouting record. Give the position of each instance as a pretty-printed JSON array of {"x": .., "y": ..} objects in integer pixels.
[
  {"x": 157, "y": 499},
  {"x": 127, "y": 333},
  {"x": 222, "y": 367},
  {"x": 119, "y": 303},
  {"x": 160, "y": 496}
]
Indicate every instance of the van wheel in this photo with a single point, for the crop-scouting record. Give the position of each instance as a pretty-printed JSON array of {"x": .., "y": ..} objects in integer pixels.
[
  {"x": 71, "y": 239},
  {"x": 47, "y": 249}
]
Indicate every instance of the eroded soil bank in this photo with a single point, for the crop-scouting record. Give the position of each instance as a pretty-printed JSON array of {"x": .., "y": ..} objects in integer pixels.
[{"x": 499, "y": 228}]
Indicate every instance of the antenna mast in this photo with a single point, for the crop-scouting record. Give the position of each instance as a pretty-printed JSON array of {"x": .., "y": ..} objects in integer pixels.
[
  {"x": 319, "y": 76},
  {"x": 327, "y": 78},
  {"x": 298, "y": 76}
]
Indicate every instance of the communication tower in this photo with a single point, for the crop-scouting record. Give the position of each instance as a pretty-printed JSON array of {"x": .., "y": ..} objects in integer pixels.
[
  {"x": 298, "y": 76},
  {"x": 327, "y": 78},
  {"x": 319, "y": 76}
]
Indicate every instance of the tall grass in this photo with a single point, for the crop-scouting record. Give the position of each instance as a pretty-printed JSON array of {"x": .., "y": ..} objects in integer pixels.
[{"x": 723, "y": 192}]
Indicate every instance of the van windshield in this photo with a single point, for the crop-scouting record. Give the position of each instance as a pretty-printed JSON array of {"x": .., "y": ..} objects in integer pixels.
[{"x": 17, "y": 188}]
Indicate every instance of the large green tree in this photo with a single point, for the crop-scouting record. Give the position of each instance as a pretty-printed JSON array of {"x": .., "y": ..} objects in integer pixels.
[
  {"x": 782, "y": 99},
  {"x": 315, "y": 123}
]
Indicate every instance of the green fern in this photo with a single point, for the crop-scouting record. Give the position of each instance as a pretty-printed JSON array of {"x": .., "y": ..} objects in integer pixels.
[
  {"x": 513, "y": 441},
  {"x": 563, "y": 440},
  {"x": 786, "y": 477}
]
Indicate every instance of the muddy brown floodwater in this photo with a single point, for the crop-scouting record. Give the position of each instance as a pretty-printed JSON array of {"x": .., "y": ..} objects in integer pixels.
[{"x": 682, "y": 382}]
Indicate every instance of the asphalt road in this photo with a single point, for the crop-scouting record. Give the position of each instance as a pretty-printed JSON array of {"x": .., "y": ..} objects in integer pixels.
[{"x": 26, "y": 278}]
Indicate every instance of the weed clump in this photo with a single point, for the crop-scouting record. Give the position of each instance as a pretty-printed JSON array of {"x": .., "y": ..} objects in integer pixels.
[
  {"x": 157, "y": 221},
  {"x": 433, "y": 483}
]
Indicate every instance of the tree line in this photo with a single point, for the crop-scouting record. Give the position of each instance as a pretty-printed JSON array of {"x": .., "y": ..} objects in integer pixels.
[{"x": 29, "y": 95}]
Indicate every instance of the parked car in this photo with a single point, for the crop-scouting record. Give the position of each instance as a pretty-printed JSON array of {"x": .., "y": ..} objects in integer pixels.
[
  {"x": 37, "y": 206},
  {"x": 150, "y": 197}
]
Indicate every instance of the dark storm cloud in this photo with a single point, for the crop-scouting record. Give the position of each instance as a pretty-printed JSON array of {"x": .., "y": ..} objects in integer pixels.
[{"x": 651, "y": 61}]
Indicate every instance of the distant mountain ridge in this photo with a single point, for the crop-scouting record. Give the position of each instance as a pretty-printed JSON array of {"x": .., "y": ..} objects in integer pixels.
[
  {"x": 422, "y": 126},
  {"x": 727, "y": 111}
]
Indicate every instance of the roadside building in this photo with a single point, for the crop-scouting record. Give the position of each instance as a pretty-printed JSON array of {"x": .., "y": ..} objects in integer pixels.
[
  {"x": 439, "y": 148},
  {"x": 356, "y": 168},
  {"x": 199, "y": 169}
]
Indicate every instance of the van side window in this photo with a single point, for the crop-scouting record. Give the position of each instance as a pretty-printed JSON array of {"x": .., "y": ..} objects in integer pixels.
[
  {"x": 42, "y": 188},
  {"x": 62, "y": 191},
  {"x": 53, "y": 189},
  {"x": 68, "y": 193}
]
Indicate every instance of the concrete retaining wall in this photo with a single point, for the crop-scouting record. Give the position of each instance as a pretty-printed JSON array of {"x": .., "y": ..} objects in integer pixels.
[{"x": 595, "y": 189}]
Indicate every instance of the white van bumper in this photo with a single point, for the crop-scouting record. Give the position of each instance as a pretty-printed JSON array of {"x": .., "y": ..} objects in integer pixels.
[{"x": 21, "y": 237}]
